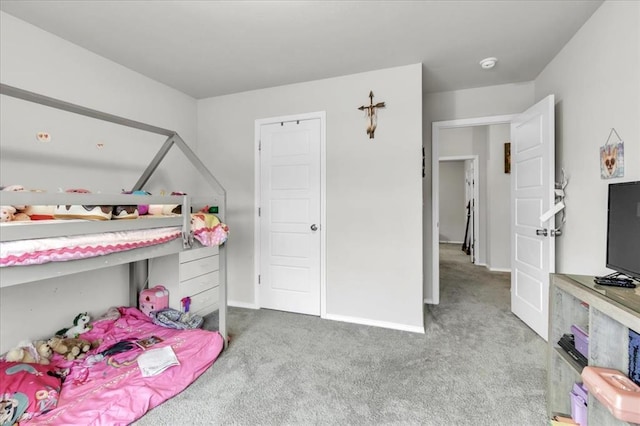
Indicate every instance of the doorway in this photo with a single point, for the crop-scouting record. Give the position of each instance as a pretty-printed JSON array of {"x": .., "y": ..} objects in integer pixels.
[
  {"x": 460, "y": 189},
  {"x": 290, "y": 213},
  {"x": 531, "y": 202},
  {"x": 434, "y": 297}
]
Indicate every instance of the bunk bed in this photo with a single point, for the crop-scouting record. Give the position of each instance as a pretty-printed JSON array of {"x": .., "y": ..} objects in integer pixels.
[{"x": 196, "y": 349}]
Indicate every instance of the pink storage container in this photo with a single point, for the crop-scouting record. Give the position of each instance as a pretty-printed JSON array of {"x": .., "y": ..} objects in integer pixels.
[
  {"x": 615, "y": 391},
  {"x": 581, "y": 340},
  {"x": 153, "y": 299},
  {"x": 579, "y": 399}
]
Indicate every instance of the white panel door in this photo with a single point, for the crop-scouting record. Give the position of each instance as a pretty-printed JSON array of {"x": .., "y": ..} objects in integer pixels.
[
  {"x": 532, "y": 194},
  {"x": 290, "y": 216}
]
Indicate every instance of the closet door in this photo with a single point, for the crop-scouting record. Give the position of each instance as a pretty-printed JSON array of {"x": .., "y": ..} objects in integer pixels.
[{"x": 290, "y": 216}]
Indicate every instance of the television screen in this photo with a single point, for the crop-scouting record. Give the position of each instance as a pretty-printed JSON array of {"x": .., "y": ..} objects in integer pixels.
[{"x": 623, "y": 228}]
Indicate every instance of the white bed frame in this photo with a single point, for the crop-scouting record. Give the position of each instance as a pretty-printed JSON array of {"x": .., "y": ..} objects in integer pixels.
[{"x": 136, "y": 258}]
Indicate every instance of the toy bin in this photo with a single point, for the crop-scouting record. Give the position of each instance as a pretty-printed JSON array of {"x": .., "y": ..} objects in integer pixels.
[
  {"x": 615, "y": 391},
  {"x": 581, "y": 338},
  {"x": 579, "y": 398},
  {"x": 153, "y": 299}
]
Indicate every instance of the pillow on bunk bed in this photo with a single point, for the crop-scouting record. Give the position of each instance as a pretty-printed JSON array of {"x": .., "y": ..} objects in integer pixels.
[
  {"x": 208, "y": 229},
  {"x": 26, "y": 391}
]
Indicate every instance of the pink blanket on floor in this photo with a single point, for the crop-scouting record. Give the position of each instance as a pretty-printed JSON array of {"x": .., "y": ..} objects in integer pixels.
[{"x": 112, "y": 391}]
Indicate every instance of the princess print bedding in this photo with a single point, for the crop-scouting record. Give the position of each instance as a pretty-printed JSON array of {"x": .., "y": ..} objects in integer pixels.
[{"x": 108, "y": 388}]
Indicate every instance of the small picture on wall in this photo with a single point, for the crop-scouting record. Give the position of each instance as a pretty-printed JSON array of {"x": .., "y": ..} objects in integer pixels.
[
  {"x": 612, "y": 160},
  {"x": 507, "y": 157}
]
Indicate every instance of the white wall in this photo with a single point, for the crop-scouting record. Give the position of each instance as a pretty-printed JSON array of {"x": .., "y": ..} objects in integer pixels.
[
  {"x": 596, "y": 82},
  {"x": 456, "y": 141},
  {"x": 498, "y": 200},
  {"x": 37, "y": 61},
  {"x": 453, "y": 212},
  {"x": 459, "y": 104},
  {"x": 374, "y": 203},
  {"x": 479, "y": 148}
]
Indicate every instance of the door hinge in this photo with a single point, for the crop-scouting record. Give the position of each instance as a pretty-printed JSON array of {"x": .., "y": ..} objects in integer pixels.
[
  {"x": 259, "y": 212},
  {"x": 259, "y": 277},
  {"x": 260, "y": 145}
]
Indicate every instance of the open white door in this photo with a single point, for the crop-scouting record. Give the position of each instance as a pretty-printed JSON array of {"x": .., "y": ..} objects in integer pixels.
[{"x": 532, "y": 194}]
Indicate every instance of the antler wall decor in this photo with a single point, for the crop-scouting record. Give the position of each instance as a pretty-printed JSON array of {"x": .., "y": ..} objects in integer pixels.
[{"x": 372, "y": 116}]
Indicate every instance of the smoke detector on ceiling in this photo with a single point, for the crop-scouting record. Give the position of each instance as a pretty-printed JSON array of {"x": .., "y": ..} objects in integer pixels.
[{"x": 488, "y": 63}]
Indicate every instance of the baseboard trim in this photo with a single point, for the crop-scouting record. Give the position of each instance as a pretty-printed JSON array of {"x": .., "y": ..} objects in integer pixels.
[
  {"x": 428, "y": 301},
  {"x": 374, "y": 323},
  {"x": 246, "y": 305},
  {"x": 451, "y": 242},
  {"x": 499, "y": 269}
]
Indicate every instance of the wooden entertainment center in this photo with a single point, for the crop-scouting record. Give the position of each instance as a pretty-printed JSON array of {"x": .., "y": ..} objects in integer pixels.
[{"x": 609, "y": 313}]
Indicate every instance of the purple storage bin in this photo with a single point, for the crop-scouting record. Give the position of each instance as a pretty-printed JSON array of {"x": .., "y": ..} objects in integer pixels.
[
  {"x": 579, "y": 400},
  {"x": 581, "y": 340}
]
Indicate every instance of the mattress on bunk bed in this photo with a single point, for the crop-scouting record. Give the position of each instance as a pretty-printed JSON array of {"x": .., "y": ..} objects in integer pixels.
[
  {"x": 112, "y": 390},
  {"x": 58, "y": 249},
  {"x": 206, "y": 228}
]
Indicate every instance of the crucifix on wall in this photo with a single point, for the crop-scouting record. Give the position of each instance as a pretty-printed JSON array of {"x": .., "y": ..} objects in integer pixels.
[{"x": 372, "y": 116}]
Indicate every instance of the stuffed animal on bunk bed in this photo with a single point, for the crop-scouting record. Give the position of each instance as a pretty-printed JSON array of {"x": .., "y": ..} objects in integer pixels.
[
  {"x": 80, "y": 325},
  {"x": 87, "y": 212},
  {"x": 13, "y": 213},
  {"x": 7, "y": 213},
  {"x": 142, "y": 208},
  {"x": 166, "y": 209},
  {"x": 25, "y": 212}
]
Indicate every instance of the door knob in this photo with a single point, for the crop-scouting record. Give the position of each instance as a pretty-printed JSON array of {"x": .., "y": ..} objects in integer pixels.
[
  {"x": 314, "y": 227},
  {"x": 541, "y": 232}
]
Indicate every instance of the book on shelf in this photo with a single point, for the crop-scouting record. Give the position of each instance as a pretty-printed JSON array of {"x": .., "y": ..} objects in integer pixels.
[{"x": 567, "y": 343}]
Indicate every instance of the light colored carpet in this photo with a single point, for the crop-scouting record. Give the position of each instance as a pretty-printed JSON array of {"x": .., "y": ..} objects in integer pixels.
[{"x": 477, "y": 364}]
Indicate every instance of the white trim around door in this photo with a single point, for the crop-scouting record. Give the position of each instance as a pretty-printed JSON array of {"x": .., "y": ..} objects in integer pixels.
[{"x": 321, "y": 115}]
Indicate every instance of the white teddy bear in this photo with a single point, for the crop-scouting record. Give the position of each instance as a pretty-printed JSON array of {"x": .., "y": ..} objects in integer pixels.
[
  {"x": 18, "y": 213},
  {"x": 6, "y": 213}
]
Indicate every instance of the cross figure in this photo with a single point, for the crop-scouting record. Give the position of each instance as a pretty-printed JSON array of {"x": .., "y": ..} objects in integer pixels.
[{"x": 371, "y": 115}]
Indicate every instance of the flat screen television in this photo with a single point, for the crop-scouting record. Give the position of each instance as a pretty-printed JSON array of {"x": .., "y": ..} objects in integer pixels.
[{"x": 623, "y": 229}]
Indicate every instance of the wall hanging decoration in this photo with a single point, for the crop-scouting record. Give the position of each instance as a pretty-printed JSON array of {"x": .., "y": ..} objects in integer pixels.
[
  {"x": 371, "y": 114},
  {"x": 507, "y": 157},
  {"x": 612, "y": 157}
]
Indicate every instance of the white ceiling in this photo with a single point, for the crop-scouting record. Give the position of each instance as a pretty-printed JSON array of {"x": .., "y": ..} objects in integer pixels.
[{"x": 209, "y": 48}]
